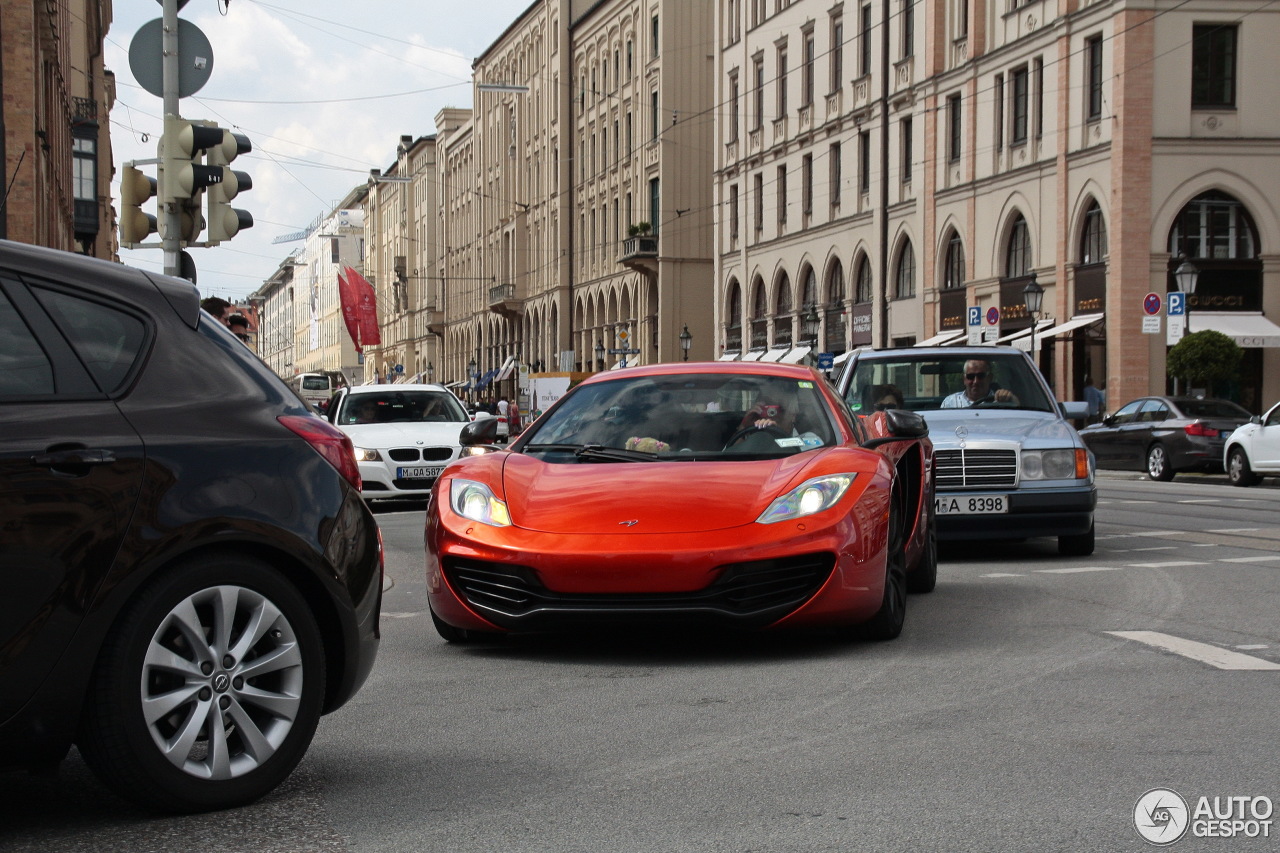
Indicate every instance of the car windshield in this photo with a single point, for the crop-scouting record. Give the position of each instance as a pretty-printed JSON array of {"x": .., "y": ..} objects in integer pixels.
[
  {"x": 684, "y": 417},
  {"x": 386, "y": 407},
  {"x": 1213, "y": 409},
  {"x": 932, "y": 381}
]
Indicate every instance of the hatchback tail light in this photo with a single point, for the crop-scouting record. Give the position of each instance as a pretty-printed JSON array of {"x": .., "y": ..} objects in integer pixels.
[
  {"x": 330, "y": 442},
  {"x": 1197, "y": 428}
]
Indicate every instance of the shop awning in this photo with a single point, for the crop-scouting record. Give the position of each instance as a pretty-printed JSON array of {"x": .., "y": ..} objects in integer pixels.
[
  {"x": 457, "y": 384},
  {"x": 753, "y": 355},
  {"x": 1071, "y": 325},
  {"x": 729, "y": 356},
  {"x": 1247, "y": 328},
  {"x": 943, "y": 338},
  {"x": 775, "y": 354},
  {"x": 796, "y": 355},
  {"x": 1022, "y": 338},
  {"x": 507, "y": 366}
]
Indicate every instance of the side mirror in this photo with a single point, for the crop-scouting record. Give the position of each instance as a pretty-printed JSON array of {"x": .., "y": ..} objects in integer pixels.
[
  {"x": 1074, "y": 410},
  {"x": 483, "y": 431},
  {"x": 1256, "y": 419},
  {"x": 1109, "y": 420},
  {"x": 903, "y": 425}
]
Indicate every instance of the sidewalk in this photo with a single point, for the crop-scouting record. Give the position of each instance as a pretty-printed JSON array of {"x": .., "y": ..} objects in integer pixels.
[{"x": 1187, "y": 477}]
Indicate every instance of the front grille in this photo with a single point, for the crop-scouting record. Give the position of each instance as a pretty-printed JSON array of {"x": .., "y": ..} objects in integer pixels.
[
  {"x": 437, "y": 454},
  {"x": 426, "y": 454},
  {"x": 758, "y": 591},
  {"x": 404, "y": 454},
  {"x": 975, "y": 469}
]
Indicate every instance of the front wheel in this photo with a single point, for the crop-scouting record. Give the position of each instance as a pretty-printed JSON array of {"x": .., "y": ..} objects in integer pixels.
[
  {"x": 1238, "y": 470},
  {"x": 1158, "y": 465},
  {"x": 208, "y": 690},
  {"x": 1079, "y": 545},
  {"x": 925, "y": 577},
  {"x": 887, "y": 623}
]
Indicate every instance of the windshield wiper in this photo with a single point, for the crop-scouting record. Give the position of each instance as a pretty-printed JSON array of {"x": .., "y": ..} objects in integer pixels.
[{"x": 594, "y": 452}]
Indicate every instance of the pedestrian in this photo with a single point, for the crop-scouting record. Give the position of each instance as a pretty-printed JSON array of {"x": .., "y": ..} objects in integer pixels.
[
  {"x": 219, "y": 308},
  {"x": 1097, "y": 400},
  {"x": 239, "y": 325}
]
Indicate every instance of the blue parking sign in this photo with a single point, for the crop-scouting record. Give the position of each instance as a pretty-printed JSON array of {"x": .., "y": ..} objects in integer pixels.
[
  {"x": 975, "y": 315},
  {"x": 1177, "y": 302}
]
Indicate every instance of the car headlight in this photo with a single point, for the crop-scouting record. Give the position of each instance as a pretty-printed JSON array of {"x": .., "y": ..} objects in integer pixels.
[
  {"x": 367, "y": 454},
  {"x": 477, "y": 502},
  {"x": 809, "y": 497},
  {"x": 1067, "y": 464}
]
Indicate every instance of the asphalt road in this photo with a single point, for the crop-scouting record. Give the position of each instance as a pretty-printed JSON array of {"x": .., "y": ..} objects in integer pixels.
[{"x": 1029, "y": 704}]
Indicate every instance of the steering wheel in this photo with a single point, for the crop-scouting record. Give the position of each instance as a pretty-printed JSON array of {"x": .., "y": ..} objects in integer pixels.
[{"x": 748, "y": 430}]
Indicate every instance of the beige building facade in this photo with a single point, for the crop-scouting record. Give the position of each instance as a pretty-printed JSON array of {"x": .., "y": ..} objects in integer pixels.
[{"x": 880, "y": 179}]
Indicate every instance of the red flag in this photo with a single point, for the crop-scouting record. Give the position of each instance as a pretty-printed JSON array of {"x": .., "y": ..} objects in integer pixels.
[
  {"x": 349, "y": 299},
  {"x": 368, "y": 308}
]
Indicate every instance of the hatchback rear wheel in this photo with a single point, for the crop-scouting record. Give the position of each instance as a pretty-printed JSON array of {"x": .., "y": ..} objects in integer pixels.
[
  {"x": 208, "y": 690},
  {"x": 1238, "y": 470}
]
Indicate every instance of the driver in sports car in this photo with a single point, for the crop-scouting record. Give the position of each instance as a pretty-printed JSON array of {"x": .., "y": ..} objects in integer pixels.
[
  {"x": 773, "y": 418},
  {"x": 978, "y": 388}
]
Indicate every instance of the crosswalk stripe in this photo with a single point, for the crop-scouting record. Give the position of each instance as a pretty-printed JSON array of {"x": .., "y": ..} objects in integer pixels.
[
  {"x": 1168, "y": 565},
  {"x": 1203, "y": 652},
  {"x": 1077, "y": 570},
  {"x": 1249, "y": 559}
]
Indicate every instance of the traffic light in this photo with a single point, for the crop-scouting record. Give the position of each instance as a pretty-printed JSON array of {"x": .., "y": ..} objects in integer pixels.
[
  {"x": 135, "y": 223},
  {"x": 226, "y": 221},
  {"x": 181, "y": 147}
]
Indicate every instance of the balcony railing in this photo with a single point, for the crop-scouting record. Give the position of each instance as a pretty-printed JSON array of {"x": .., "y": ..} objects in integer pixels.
[
  {"x": 503, "y": 299},
  {"x": 639, "y": 247}
]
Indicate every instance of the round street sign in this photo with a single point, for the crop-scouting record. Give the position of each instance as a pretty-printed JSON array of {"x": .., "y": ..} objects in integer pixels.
[
  {"x": 1151, "y": 304},
  {"x": 993, "y": 316},
  {"x": 146, "y": 58}
]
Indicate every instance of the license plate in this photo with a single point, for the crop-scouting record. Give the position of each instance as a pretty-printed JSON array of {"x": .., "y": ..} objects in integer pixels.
[
  {"x": 418, "y": 473},
  {"x": 970, "y": 504}
]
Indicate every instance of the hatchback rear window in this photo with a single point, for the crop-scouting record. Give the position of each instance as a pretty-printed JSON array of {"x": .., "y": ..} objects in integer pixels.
[{"x": 107, "y": 340}]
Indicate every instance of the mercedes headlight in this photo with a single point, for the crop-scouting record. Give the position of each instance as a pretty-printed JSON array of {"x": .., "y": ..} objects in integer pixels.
[
  {"x": 1067, "y": 464},
  {"x": 811, "y": 496},
  {"x": 477, "y": 502}
]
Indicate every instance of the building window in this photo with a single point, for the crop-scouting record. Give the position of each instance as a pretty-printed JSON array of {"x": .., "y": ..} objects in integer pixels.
[
  {"x": 955, "y": 127},
  {"x": 907, "y": 144},
  {"x": 1093, "y": 243},
  {"x": 1037, "y": 66},
  {"x": 333, "y": 250},
  {"x": 1018, "y": 254},
  {"x": 782, "y": 195},
  {"x": 733, "y": 212},
  {"x": 759, "y": 203},
  {"x": 954, "y": 271},
  {"x": 85, "y": 152},
  {"x": 905, "y": 283},
  {"x": 806, "y": 183},
  {"x": 864, "y": 41},
  {"x": 962, "y": 18},
  {"x": 999, "y": 103},
  {"x": 630, "y": 72},
  {"x": 654, "y": 26},
  {"x": 733, "y": 107},
  {"x": 806, "y": 99},
  {"x": 1093, "y": 55},
  {"x": 1018, "y": 84},
  {"x": 1214, "y": 225},
  {"x": 908, "y": 28},
  {"x": 782, "y": 82},
  {"x": 655, "y": 205},
  {"x": 834, "y": 190},
  {"x": 863, "y": 292},
  {"x": 758, "y": 72},
  {"x": 657, "y": 122},
  {"x": 1213, "y": 66},
  {"x": 837, "y": 53},
  {"x": 864, "y": 161}
]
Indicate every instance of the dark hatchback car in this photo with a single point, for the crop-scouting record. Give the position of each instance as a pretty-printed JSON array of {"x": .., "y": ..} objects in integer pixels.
[
  {"x": 188, "y": 576},
  {"x": 1165, "y": 435}
]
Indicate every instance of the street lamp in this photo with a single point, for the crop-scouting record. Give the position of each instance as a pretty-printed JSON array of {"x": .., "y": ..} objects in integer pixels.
[
  {"x": 600, "y": 355},
  {"x": 1033, "y": 295},
  {"x": 686, "y": 340},
  {"x": 1186, "y": 276},
  {"x": 431, "y": 372},
  {"x": 810, "y": 324}
]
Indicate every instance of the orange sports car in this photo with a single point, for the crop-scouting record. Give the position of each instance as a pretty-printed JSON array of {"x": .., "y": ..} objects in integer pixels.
[{"x": 742, "y": 494}]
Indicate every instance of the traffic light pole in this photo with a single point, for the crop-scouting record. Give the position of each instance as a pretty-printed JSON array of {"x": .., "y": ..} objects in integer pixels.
[{"x": 171, "y": 214}]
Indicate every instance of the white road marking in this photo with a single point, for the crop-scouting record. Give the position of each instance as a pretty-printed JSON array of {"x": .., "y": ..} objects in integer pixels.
[
  {"x": 1169, "y": 565},
  {"x": 400, "y": 615},
  {"x": 1160, "y": 532},
  {"x": 1253, "y": 646},
  {"x": 1203, "y": 652},
  {"x": 1156, "y": 548},
  {"x": 1201, "y": 501},
  {"x": 1235, "y": 530},
  {"x": 1077, "y": 570},
  {"x": 1001, "y": 575},
  {"x": 1249, "y": 559}
]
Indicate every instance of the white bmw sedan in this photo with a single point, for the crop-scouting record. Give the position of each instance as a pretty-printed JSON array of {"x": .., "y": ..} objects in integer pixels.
[{"x": 404, "y": 435}]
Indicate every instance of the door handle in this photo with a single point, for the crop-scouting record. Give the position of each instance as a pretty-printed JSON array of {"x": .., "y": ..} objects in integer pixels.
[{"x": 81, "y": 456}]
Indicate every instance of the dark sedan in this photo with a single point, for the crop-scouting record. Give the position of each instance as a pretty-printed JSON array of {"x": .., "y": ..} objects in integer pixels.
[
  {"x": 1165, "y": 435},
  {"x": 188, "y": 576}
]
